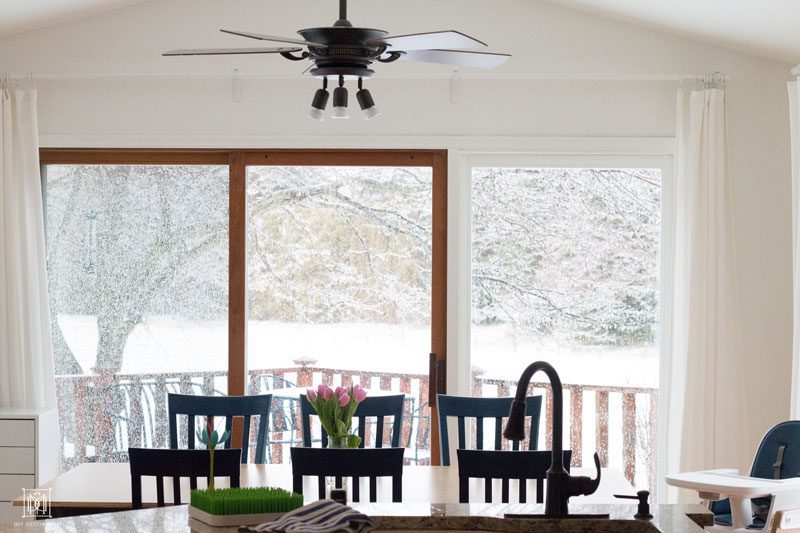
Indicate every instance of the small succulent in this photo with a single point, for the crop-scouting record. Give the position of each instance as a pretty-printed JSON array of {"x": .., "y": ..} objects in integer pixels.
[{"x": 211, "y": 439}]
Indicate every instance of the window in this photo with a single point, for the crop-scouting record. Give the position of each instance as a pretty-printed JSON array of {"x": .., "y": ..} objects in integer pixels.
[
  {"x": 339, "y": 281},
  {"x": 138, "y": 267},
  {"x": 565, "y": 265},
  {"x": 156, "y": 259}
]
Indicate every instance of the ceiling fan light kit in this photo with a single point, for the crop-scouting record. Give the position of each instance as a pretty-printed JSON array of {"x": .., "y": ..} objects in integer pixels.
[
  {"x": 340, "y": 100},
  {"x": 342, "y": 52},
  {"x": 366, "y": 103}
]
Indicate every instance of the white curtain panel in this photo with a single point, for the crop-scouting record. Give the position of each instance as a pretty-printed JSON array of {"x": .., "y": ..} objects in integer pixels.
[
  {"x": 794, "y": 120},
  {"x": 705, "y": 396},
  {"x": 26, "y": 355}
]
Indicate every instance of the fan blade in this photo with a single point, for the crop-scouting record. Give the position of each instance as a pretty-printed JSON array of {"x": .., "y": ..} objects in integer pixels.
[
  {"x": 461, "y": 58},
  {"x": 262, "y": 37},
  {"x": 427, "y": 41},
  {"x": 229, "y": 51}
]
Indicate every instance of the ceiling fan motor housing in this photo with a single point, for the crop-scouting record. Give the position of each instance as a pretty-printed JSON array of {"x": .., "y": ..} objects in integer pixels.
[{"x": 348, "y": 52}]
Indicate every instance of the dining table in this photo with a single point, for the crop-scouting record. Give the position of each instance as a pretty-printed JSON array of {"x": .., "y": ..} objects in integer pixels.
[{"x": 106, "y": 487}]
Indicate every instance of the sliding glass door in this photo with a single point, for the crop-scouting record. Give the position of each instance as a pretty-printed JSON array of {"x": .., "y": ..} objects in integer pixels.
[
  {"x": 339, "y": 286},
  {"x": 237, "y": 272}
]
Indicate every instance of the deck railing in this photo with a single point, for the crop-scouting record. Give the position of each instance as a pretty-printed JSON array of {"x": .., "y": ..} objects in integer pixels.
[{"x": 102, "y": 415}]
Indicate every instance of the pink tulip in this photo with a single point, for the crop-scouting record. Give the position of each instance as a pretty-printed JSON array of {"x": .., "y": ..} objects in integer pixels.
[
  {"x": 359, "y": 393},
  {"x": 325, "y": 391},
  {"x": 344, "y": 399},
  {"x": 312, "y": 394},
  {"x": 339, "y": 391}
]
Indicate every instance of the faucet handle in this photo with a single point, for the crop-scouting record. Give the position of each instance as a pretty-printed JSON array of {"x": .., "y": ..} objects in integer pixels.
[
  {"x": 584, "y": 485},
  {"x": 643, "y": 510}
]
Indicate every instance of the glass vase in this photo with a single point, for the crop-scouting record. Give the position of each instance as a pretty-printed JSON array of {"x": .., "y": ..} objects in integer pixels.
[
  {"x": 337, "y": 442},
  {"x": 330, "y": 482}
]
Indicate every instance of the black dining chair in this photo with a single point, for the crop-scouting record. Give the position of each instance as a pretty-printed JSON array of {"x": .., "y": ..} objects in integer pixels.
[
  {"x": 355, "y": 463},
  {"x": 227, "y": 406},
  {"x": 505, "y": 465},
  {"x": 464, "y": 407},
  {"x": 378, "y": 407},
  {"x": 176, "y": 464}
]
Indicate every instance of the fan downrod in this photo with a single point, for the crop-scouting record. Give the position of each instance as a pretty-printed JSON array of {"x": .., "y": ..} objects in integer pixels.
[{"x": 343, "y": 22}]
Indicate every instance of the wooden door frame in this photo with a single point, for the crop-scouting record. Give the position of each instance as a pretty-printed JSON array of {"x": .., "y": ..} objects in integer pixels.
[{"x": 238, "y": 161}]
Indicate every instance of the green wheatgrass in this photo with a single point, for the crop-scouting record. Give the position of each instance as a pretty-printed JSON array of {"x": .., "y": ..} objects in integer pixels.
[{"x": 254, "y": 500}]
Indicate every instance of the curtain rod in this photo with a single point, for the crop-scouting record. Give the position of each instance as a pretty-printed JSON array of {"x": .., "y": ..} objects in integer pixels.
[{"x": 436, "y": 75}]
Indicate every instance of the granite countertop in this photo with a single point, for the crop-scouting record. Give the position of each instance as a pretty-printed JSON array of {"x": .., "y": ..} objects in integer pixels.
[
  {"x": 489, "y": 517},
  {"x": 409, "y": 517}
]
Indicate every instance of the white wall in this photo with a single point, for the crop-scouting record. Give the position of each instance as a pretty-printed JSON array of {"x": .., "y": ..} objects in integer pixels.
[{"x": 114, "y": 89}]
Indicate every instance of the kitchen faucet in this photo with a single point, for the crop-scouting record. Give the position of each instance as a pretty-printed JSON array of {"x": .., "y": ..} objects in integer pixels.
[{"x": 560, "y": 485}]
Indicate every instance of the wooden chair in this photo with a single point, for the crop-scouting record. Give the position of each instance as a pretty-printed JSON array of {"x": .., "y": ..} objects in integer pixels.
[
  {"x": 505, "y": 465},
  {"x": 177, "y": 464},
  {"x": 372, "y": 407},
  {"x": 227, "y": 406},
  {"x": 479, "y": 408},
  {"x": 355, "y": 463}
]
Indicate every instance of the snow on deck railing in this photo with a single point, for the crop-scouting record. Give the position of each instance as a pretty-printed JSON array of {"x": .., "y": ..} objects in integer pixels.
[{"x": 103, "y": 414}]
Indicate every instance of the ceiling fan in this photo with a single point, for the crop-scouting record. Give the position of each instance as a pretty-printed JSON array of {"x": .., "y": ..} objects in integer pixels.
[{"x": 343, "y": 52}]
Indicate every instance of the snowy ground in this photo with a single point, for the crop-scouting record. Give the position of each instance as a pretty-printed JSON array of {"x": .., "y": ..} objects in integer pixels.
[{"x": 163, "y": 344}]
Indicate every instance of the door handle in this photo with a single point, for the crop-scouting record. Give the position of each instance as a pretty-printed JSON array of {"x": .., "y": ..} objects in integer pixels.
[{"x": 437, "y": 378}]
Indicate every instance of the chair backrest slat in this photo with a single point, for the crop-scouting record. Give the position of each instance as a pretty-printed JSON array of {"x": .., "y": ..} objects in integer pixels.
[
  {"x": 160, "y": 491},
  {"x": 245, "y": 429},
  {"x": 229, "y": 429},
  {"x": 378, "y": 430},
  {"x": 354, "y": 463},
  {"x": 504, "y": 465},
  {"x": 160, "y": 463},
  {"x": 191, "y": 432},
  {"x": 377, "y": 407},
  {"x": 176, "y": 490},
  {"x": 217, "y": 406},
  {"x": 462, "y": 433},
  {"x": 362, "y": 429},
  {"x": 464, "y": 407}
]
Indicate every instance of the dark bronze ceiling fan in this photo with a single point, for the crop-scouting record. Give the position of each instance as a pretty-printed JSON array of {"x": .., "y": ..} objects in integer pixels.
[{"x": 345, "y": 52}]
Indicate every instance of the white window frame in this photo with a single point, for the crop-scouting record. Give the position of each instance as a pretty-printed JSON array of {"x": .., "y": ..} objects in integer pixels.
[{"x": 460, "y": 249}]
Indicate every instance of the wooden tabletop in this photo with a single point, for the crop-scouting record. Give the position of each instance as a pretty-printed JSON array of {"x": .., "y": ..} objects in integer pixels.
[{"x": 108, "y": 486}]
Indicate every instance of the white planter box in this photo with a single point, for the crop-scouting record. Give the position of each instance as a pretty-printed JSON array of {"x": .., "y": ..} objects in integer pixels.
[{"x": 231, "y": 520}]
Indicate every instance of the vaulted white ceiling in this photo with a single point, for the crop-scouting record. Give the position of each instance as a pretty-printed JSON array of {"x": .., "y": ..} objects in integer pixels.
[
  {"x": 764, "y": 27},
  {"x": 17, "y": 16}
]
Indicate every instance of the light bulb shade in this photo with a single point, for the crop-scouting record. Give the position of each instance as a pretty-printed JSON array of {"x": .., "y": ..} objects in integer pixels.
[
  {"x": 340, "y": 97},
  {"x": 320, "y": 99},
  {"x": 367, "y": 104},
  {"x": 365, "y": 99},
  {"x": 340, "y": 112},
  {"x": 371, "y": 112},
  {"x": 316, "y": 114}
]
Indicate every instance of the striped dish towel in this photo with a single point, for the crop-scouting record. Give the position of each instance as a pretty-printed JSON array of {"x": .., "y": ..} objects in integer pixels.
[{"x": 324, "y": 516}]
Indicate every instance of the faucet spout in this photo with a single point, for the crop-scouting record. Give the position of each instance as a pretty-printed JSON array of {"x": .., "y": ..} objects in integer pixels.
[{"x": 560, "y": 485}]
